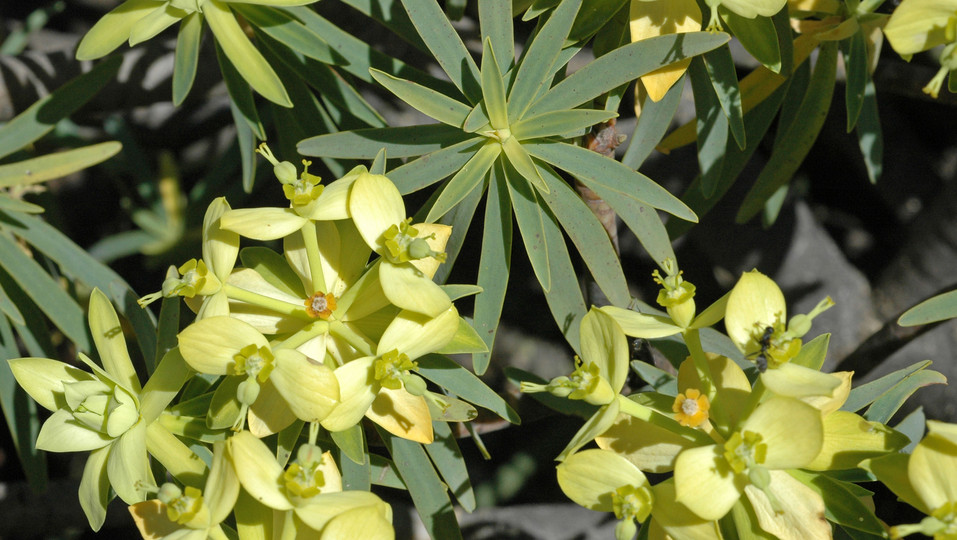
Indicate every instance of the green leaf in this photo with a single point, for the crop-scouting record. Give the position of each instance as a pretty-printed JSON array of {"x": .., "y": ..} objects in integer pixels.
[
  {"x": 331, "y": 86},
  {"x": 287, "y": 441},
  {"x": 428, "y": 493},
  {"x": 800, "y": 136},
  {"x": 43, "y": 115},
  {"x": 8, "y": 308},
  {"x": 431, "y": 168},
  {"x": 642, "y": 220},
  {"x": 20, "y": 413},
  {"x": 459, "y": 218},
  {"x": 393, "y": 17},
  {"x": 528, "y": 214},
  {"x": 187, "y": 56},
  {"x": 888, "y": 403},
  {"x": 378, "y": 164},
  {"x": 756, "y": 121},
  {"x": 240, "y": 95},
  {"x": 243, "y": 55},
  {"x": 450, "y": 463},
  {"x": 11, "y": 205},
  {"x": 758, "y": 36},
  {"x": 592, "y": 16},
  {"x": 813, "y": 353},
  {"x": 461, "y": 382},
  {"x": 356, "y": 476},
  {"x": 164, "y": 383},
  {"x": 43, "y": 290},
  {"x": 424, "y": 99},
  {"x": 652, "y": 124},
  {"x": 869, "y": 135},
  {"x": 357, "y": 56},
  {"x": 536, "y": 66},
  {"x": 477, "y": 119},
  {"x": 660, "y": 380},
  {"x": 589, "y": 236},
  {"x": 246, "y": 143},
  {"x": 724, "y": 78},
  {"x": 78, "y": 264},
  {"x": 400, "y": 142},
  {"x": 564, "y": 299},
  {"x": 624, "y": 65},
  {"x": 854, "y": 50},
  {"x": 712, "y": 127},
  {"x": 352, "y": 443},
  {"x": 494, "y": 268},
  {"x": 446, "y": 46},
  {"x": 493, "y": 88},
  {"x": 522, "y": 162},
  {"x": 866, "y": 394},
  {"x": 841, "y": 506},
  {"x": 938, "y": 308},
  {"x": 384, "y": 473},
  {"x": 496, "y": 26},
  {"x": 597, "y": 171},
  {"x": 57, "y": 165},
  {"x": 465, "y": 181},
  {"x": 559, "y": 123},
  {"x": 284, "y": 28}
]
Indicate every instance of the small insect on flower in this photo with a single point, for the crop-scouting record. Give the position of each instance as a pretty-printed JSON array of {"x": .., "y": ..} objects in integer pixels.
[{"x": 762, "y": 359}]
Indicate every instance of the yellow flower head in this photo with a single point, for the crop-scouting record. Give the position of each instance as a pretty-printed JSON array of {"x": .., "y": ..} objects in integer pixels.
[{"x": 691, "y": 408}]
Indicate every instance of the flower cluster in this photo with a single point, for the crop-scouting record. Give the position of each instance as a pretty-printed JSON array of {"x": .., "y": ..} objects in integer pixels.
[
  {"x": 751, "y": 449},
  {"x": 318, "y": 335}
]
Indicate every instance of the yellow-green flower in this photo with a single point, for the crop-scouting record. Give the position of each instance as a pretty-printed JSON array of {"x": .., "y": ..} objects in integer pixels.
[
  {"x": 920, "y": 25},
  {"x": 307, "y": 495},
  {"x": 781, "y": 433},
  {"x": 201, "y": 282},
  {"x": 383, "y": 387},
  {"x": 410, "y": 253},
  {"x": 927, "y": 480},
  {"x": 748, "y": 9},
  {"x": 97, "y": 412},
  {"x": 755, "y": 319},
  {"x": 188, "y": 513},
  {"x": 277, "y": 384}
]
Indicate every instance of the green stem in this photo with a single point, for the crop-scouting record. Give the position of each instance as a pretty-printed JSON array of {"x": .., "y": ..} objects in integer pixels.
[
  {"x": 693, "y": 341},
  {"x": 178, "y": 459},
  {"x": 279, "y": 306},
  {"x": 360, "y": 343},
  {"x": 163, "y": 385},
  {"x": 313, "y": 432},
  {"x": 643, "y": 412},
  {"x": 315, "y": 259},
  {"x": 307, "y": 333}
]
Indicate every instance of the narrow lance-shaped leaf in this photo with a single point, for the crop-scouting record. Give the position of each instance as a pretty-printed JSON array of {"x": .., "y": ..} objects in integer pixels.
[
  {"x": 724, "y": 78},
  {"x": 493, "y": 88},
  {"x": 590, "y": 238},
  {"x": 285, "y": 29},
  {"x": 496, "y": 26},
  {"x": 654, "y": 119},
  {"x": 43, "y": 115},
  {"x": 450, "y": 463},
  {"x": 712, "y": 127},
  {"x": 623, "y": 65},
  {"x": 187, "y": 56},
  {"x": 464, "y": 181},
  {"x": 528, "y": 214},
  {"x": 425, "y": 100},
  {"x": 57, "y": 165},
  {"x": 597, "y": 170},
  {"x": 800, "y": 136},
  {"x": 559, "y": 123},
  {"x": 564, "y": 299},
  {"x": 536, "y": 64},
  {"x": 399, "y": 142},
  {"x": 496, "y": 260},
  {"x": 244, "y": 56},
  {"x": 519, "y": 158},
  {"x": 431, "y": 168},
  {"x": 446, "y": 46}
]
